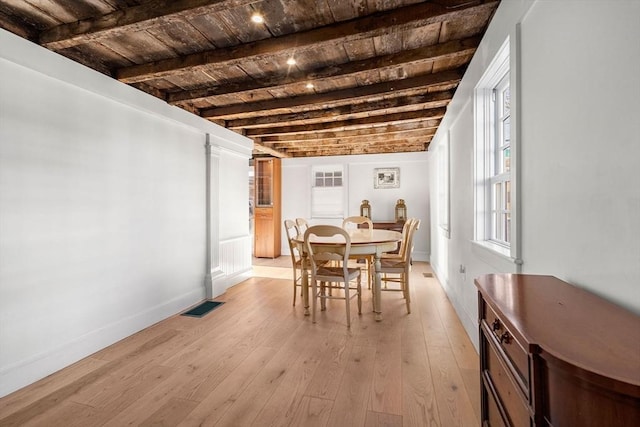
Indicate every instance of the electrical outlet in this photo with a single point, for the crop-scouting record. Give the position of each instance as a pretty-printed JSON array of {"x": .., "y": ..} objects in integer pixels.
[{"x": 462, "y": 269}]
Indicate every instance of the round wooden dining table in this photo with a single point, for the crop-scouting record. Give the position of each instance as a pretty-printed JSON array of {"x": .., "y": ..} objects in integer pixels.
[{"x": 363, "y": 242}]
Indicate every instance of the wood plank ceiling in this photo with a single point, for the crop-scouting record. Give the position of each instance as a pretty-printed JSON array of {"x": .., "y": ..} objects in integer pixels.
[{"x": 370, "y": 76}]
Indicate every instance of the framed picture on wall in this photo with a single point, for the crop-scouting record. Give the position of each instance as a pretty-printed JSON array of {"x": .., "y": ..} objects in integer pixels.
[{"x": 386, "y": 178}]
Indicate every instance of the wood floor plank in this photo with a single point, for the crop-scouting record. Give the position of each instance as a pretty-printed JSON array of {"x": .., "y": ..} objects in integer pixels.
[
  {"x": 386, "y": 394},
  {"x": 69, "y": 414},
  {"x": 419, "y": 404},
  {"x": 434, "y": 329},
  {"x": 463, "y": 349},
  {"x": 118, "y": 391},
  {"x": 131, "y": 343},
  {"x": 170, "y": 414},
  {"x": 312, "y": 412},
  {"x": 471, "y": 379},
  {"x": 454, "y": 404},
  {"x": 334, "y": 354},
  {"x": 250, "y": 403},
  {"x": 41, "y": 389},
  {"x": 217, "y": 403},
  {"x": 377, "y": 419},
  {"x": 281, "y": 407},
  {"x": 350, "y": 406}
]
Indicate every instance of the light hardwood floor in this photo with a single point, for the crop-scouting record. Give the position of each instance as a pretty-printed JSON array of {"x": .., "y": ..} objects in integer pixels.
[{"x": 258, "y": 361}]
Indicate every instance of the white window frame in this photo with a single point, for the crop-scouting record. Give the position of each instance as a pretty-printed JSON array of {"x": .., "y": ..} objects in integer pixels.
[
  {"x": 485, "y": 174},
  {"x": 497, "y": 232},
  {"x": 327, "y": 200}
]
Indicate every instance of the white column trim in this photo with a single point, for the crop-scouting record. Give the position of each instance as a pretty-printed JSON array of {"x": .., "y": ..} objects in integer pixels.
[{"x": 213, "y": 269}]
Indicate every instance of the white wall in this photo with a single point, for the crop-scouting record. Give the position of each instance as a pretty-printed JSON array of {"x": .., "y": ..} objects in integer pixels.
[
  {"x": 102, "y": 210},
  {"x": 578, "y": 101},
  {"x": 359, "y": 173}
]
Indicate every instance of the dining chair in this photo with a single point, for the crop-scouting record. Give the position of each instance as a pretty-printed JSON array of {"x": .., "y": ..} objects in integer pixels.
[
  {"x": 405, "y": 232},
  {"x": 400, "y": 267},
  {"x": 296, "y": 258},
  {"x": 330, "y": 276},
  {"x": 354, "y": 222},
  {"x": 302, "y": 225}
]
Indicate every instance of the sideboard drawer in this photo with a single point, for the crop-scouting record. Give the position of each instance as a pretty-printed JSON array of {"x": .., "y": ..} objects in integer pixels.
[
  {"x": 511, "y": 347},
  {"x": 509, "y": 394},
  {"x": 494, "y": 417}
]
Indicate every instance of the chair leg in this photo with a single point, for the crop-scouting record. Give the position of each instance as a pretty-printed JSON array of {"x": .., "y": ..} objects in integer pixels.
[
  {"x": 360, "y": 294},
  {"x": 407, "y": 295},
  {"x": 373, "y": 296},
  {"x": 314, "y": 290},
  {"x": 295, "y": 280},
  {"x": 323, "y": 294},
  {"x": 347, "y": 300}
]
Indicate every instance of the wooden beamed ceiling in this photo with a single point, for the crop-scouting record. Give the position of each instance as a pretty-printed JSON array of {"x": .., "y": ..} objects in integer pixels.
[{"x": 369, "y": 76}]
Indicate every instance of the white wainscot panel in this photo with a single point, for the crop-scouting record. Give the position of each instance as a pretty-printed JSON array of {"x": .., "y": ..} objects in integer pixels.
[{"x": 234, "y": 262}]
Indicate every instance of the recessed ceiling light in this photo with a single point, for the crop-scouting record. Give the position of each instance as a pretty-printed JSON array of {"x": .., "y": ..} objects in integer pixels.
[
  {"x": 309, "y": 85},
  {"x": 291, "y": 61},
  {"x": 257, "y": 18}
]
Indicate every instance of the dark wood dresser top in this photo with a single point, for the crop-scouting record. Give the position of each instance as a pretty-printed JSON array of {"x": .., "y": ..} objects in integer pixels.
[{"x": 568, "y": 322}]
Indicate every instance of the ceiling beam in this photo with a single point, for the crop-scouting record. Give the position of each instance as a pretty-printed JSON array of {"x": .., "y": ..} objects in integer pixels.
[
  {"x": 424, "y": 126},
  {"x": 257, "y": 146},
  {"x": 377, "y": 24},
  {"x": 281, "y": 145},
  {"x": 135, "y": 18},
  {"x": 429, "y": 100},
  {"x": 360, "y": 143},
  {"x": 450, "y": 49},
  {"x": 344, "y": 151},
  {"x": 18, "y": 27},
  {"x": 343, "y": 96},
  {"x": 435, "y": 113}
]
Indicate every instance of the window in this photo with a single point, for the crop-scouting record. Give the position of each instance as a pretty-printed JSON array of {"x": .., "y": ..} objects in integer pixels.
[
  {"x": 328, "y": 179},
  {"x": 495, "y": 193},
  {"x": 327, "y": 192},
  {"x": 500, "y": 165}
]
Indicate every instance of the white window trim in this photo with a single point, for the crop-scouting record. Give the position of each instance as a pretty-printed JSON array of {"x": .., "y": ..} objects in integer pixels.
[
  {"x": 505, "y": 61},
  {"x": 315, "y": 191}
]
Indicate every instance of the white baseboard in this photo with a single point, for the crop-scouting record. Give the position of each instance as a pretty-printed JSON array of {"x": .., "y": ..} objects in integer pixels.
[
  {"x": 221, "y": 285},
  {"x": 420, "y": 256}
]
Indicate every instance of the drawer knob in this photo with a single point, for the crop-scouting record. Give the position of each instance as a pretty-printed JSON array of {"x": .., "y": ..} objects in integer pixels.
[
  {"x": 495, "y": 325},
  {"x": 505, "y": 338}
]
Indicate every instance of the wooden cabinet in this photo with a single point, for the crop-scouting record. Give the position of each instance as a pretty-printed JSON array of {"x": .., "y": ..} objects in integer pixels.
[
  {"x": 389, "y": 225},
  {"x": 267, "y": 210},
  {"x": 552, "y": 354}
]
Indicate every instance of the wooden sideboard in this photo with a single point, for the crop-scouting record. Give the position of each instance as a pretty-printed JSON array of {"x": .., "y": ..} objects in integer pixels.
[
  {"x": 387, "y": 225},
  {"x": 552, "y": 354}
]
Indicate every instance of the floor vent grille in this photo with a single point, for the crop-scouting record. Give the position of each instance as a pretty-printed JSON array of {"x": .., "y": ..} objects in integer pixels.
[{"x": 202, "y": 309}]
